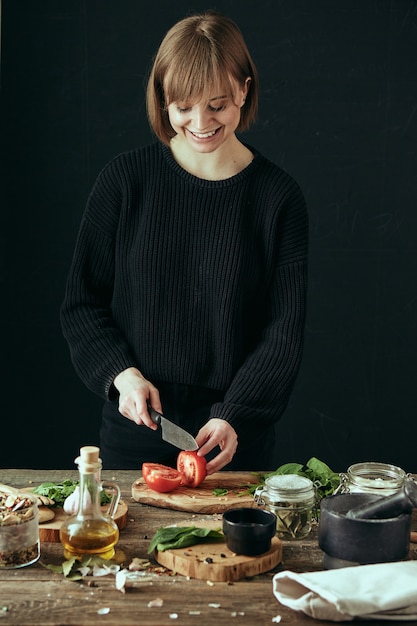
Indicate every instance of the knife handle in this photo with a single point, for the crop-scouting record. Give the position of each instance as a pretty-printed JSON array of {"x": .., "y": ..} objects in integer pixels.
[{"x": 155, "y": 417}]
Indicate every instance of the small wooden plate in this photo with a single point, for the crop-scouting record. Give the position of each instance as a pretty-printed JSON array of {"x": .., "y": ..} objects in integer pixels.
[{"x": 214, "y": 561}]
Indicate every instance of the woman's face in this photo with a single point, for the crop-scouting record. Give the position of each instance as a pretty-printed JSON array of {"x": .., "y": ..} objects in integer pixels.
[{"x": 208, "y": 124}]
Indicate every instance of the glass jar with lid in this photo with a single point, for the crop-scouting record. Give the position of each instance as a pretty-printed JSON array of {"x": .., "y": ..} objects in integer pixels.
[
  {"x": 292, "y": 499},
  {"x": 372, "y": 477}
]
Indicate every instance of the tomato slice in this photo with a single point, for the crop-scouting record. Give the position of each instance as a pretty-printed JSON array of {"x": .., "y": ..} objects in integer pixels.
[
  {"x": 192, "y": 467},
  {"x": 161, "y": 477}
]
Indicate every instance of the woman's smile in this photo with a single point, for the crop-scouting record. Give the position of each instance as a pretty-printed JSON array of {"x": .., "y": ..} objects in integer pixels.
[{"x": 203, "y": 137}]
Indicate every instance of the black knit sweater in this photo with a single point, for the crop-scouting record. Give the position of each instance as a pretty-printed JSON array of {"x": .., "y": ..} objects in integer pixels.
[{"x": 191, "y": 281}]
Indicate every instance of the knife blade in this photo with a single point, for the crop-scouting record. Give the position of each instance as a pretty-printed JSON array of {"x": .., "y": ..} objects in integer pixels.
[{"x": 172, "y": 433}]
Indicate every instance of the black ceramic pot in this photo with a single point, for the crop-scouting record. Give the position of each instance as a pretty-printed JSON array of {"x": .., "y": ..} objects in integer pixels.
[
  {"x": 249, "y": 531},
  {"x": 348, "y": 541}
]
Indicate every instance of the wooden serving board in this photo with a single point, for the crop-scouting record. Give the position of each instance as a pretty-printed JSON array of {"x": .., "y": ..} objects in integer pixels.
[
  {"x": 201, "y": 499},
  {"x": 49, "y": 531},
  {"x": 223, "y": 565}
]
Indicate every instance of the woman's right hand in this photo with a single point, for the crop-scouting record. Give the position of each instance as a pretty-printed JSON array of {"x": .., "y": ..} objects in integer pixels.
[{"x": 135, "y": 394}]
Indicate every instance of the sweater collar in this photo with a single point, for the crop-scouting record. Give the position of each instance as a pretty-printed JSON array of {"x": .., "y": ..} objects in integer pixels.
[{"x": 202, "y": 182}]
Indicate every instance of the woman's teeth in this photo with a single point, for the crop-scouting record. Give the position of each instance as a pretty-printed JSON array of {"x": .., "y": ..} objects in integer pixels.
[{"x": 204, "y": 135}]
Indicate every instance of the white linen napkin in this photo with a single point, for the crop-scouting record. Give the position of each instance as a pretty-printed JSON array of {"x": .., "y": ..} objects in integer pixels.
[{"x": 384, "y": 591}]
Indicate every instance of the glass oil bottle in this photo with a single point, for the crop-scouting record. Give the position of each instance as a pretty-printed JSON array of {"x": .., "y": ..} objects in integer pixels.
[{"x": 90, "y": 531}]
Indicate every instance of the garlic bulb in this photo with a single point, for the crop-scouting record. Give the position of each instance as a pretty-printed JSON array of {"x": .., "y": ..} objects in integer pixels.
[{"x": 71, "y": 503}]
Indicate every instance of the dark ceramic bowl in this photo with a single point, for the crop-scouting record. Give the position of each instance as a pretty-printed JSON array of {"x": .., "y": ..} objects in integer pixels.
[
  {"x": 348, "y": 541},
  {"x": 249, "y": 531}
]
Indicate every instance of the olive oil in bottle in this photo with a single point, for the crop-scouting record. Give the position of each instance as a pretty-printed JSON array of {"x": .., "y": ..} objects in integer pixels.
[{"x": 90, "y": 531}]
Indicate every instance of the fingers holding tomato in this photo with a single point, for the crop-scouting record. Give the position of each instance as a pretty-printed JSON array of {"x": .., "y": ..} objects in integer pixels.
[{"x": 217, "y": 432}]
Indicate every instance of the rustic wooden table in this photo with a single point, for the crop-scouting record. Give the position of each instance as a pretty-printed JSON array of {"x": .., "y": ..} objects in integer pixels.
[{"x": 35, "y": 595}]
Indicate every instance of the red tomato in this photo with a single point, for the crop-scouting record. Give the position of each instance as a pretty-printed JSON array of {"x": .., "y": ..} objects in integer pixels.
[
  {"x": 161, "y": 477},
  {"x": 192, "y": 467}
]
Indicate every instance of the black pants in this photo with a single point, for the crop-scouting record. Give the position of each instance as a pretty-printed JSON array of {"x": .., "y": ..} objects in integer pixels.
[{"x": 124, "y": 445}]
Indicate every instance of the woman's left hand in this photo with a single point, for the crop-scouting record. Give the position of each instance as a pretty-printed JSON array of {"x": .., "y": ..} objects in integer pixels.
[{"x": 217, "y": 432}]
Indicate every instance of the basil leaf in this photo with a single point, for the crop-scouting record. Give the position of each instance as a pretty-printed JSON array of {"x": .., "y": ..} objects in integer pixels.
[
  {"x": 289, "y": 468},
  {"x": 220, "y": 491},
  {"x": 173, "y": 537},
  {"x": 325, "y": 480}
]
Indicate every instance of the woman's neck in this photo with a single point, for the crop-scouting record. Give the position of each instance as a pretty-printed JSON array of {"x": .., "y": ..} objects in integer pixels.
[{"x": 225, "y": 162}]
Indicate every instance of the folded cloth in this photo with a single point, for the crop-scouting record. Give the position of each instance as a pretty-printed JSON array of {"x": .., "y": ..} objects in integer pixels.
[{"x": 384, "y": 591}]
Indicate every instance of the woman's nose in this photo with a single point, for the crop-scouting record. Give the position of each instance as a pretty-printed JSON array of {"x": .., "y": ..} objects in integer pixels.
[{"x": 201, "y": 118}]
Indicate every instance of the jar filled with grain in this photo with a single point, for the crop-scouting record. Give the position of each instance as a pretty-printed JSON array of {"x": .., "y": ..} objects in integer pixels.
[{"x": 19, "y": 529}]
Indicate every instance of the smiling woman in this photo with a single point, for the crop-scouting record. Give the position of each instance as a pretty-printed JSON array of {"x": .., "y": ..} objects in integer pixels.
[
  {"x": 220, "y": 61},
  {"x": 188, "y": 284}
]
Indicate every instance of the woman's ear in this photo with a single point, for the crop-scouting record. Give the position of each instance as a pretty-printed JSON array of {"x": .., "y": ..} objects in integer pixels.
[{"x": 245, "y": 90}]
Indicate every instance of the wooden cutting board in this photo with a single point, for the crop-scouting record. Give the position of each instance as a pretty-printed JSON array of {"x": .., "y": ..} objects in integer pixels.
[
  {"x": 222, "y": 565},
  {"x": 201, "y": 499},
  {"x": 49, "y": 531}
]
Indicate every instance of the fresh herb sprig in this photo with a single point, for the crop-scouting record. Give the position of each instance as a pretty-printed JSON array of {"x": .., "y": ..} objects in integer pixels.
[
  {"x": 59, "y": 492},
  {"x": 324, "y": 479}
]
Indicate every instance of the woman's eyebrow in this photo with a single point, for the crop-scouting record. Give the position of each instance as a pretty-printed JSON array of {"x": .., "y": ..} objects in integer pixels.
[
  {"x": 210, "y": 100},
  {"x": 218, "y": 98}
]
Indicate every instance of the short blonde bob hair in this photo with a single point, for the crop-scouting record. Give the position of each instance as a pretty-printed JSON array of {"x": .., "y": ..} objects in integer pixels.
[{"x": 200, "y": 53}]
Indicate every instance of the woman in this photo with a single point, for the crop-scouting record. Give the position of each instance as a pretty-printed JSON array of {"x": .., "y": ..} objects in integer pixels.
[{"x": 188, "y": 285}]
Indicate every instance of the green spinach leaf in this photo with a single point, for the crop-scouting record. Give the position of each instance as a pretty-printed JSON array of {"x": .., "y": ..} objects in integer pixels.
[{"x": 181, "y": 537}]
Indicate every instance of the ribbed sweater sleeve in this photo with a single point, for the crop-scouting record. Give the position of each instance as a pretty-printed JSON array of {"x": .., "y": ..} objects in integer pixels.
[
  {"x": 98, "y": 349},
  {"x": 192, "y": 281},
  {"x": 261, "y": 387}
]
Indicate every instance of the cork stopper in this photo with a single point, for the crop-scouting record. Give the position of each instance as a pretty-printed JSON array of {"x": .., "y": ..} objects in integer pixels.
[
  {"x": 89, "y": 458},
  {"x": 89, "y": 454}
]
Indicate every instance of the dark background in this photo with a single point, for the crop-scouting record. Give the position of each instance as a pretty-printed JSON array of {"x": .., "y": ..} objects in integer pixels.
[{"x": 338, "y": 112}]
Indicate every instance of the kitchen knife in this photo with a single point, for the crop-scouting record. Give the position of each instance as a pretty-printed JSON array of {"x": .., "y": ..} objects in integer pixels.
[{"x": 172, "y": 433}]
